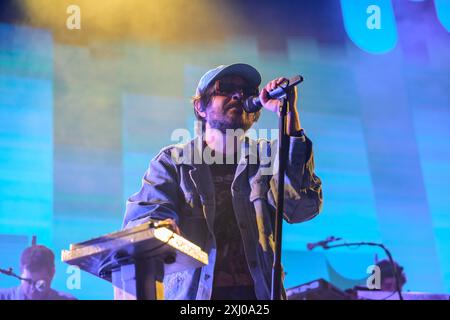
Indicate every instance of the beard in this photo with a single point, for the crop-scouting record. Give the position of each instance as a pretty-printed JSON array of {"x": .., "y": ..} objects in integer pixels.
[{"x": 232, "y": 117}]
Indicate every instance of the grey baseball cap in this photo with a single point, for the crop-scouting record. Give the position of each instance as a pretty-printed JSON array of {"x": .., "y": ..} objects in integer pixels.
[{"x": 246, "y": 71}]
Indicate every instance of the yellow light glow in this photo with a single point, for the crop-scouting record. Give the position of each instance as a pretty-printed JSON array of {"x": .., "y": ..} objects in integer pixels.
[{"x": 167, "y": 21}]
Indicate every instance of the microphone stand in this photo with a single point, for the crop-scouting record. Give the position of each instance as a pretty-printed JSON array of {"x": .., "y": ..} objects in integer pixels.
[
  {"x": 373, "y": 244},
  {"x": 283, "y": 148},
  {"x": 10, "y": 272}
]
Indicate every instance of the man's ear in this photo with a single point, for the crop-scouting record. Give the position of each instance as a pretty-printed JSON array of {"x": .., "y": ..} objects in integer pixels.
[
  {"x": 52, "y": 273},
  {"x": 199, "y": 109}
]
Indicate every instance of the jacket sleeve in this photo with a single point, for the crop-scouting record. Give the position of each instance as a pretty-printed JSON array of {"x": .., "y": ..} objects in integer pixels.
[
  {"x": 302, "y": 188},
  {"x": 158, "y": 197}
]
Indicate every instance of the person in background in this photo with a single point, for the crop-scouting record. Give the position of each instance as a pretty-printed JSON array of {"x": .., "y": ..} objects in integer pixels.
[
  {"x": 388, "y": 275},
  {"x": 37, "y": 268}
]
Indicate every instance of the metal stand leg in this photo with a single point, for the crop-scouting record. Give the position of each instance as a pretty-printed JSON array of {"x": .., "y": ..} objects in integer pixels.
[{"x": 142, "y": 280}]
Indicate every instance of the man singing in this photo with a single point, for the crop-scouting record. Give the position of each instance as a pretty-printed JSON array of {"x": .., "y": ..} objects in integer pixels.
[
  {"x": 37, "y": 267},
  {"x": 227, "y": 206}
]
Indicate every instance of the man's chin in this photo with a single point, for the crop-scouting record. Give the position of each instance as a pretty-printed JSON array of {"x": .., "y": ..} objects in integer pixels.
[
  {"x": 224, "y": 126},
  {"x": 235, "y": 110},
  {"x": 231, "y": 120}
]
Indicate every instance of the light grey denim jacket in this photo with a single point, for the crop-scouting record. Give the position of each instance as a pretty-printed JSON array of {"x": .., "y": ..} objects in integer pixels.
[{"x": 178, "y": 187}]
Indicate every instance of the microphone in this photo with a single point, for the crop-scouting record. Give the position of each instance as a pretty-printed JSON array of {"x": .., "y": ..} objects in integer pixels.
[
  {"x": 253, "y": 104},
  {"x": 40, "y": 285},
  {"x": 323, "y": 243}
]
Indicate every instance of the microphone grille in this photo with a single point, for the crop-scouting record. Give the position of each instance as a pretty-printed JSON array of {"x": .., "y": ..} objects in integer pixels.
[{"x": 252, "y": 104}]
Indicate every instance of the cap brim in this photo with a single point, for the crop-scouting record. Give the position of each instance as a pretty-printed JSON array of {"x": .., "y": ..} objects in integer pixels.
[{"x": 241, "y": 69}]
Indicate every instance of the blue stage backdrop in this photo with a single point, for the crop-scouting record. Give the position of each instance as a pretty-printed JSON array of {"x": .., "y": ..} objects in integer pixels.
[{"x": 79, "y": 124}]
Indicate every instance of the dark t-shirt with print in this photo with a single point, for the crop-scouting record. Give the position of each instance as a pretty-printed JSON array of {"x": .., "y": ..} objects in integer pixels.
[{"x": 232, "y": 279}]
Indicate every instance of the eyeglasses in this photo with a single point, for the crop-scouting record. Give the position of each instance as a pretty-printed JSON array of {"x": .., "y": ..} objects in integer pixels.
[{"x": 228, "y": 89}]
